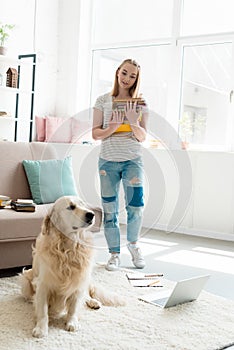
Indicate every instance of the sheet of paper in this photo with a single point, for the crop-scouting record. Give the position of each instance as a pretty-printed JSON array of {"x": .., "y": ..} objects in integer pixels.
[
  {"x": 142, "y": 280},
  {"x": 140, "y": 275}
]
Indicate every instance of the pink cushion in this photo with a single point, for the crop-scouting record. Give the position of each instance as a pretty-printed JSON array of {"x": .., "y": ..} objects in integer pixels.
[
  {"x": 81, "y": 131},
  {"x": 40, "y": 128},
  {"x": 58, "y": 129}
]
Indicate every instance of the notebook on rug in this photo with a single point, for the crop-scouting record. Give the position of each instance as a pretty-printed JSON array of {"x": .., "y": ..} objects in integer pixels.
[
  {"x": 145, "y": 280},
  {"x": 184, "y": 291}
]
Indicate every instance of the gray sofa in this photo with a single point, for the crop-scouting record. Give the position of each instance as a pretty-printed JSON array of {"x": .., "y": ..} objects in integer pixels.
[{"x": 18, "y": 230}]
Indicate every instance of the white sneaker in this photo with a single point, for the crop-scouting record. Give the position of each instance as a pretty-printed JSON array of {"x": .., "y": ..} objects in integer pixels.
[
  {"x": 136, "y": 254},
  {"x": 113, "y": 263}
]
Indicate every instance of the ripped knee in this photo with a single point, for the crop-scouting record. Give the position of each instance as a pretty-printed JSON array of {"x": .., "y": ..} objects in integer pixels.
[
  {"x": 135, "y": 181},
  {"x": 102, "y": 172}
]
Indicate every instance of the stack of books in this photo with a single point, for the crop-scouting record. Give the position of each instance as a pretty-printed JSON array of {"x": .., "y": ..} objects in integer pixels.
[
  {"x": 120, "y": 105},
  {"x": 23, "y": 205}
]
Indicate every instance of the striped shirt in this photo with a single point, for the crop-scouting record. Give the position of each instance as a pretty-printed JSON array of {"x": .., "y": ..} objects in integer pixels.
[{"x": 120, "y": 146}]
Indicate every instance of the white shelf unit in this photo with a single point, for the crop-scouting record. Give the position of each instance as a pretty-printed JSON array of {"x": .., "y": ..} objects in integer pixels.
[{"x": 18, "y": 102}]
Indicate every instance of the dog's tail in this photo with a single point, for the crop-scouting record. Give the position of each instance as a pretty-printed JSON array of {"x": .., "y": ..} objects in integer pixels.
[
  {"x": 26, "y": 278},
  {"x": 106, "y": 298}
]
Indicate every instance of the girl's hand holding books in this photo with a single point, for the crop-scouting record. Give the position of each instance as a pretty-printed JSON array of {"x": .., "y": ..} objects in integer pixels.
[
  {"x": 131, "y": 113},
  {"x": 116, "y": 120}
]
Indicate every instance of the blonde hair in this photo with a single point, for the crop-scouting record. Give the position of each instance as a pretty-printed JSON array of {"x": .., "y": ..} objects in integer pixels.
[{"x": 133, "y": 91}]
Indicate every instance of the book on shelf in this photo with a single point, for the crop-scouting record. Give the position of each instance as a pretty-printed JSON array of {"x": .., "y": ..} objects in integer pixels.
[
  {"x": 23, "y": 205},
  {"x": 145, "y": 280},
  {"x": 4, "y": 114}
]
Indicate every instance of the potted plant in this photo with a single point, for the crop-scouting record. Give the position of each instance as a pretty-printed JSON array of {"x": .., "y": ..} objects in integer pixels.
[
  {"x": 4, "y": 35},
  {"x": 191, "y": 127},
  {"x": 186, "y": 130}
]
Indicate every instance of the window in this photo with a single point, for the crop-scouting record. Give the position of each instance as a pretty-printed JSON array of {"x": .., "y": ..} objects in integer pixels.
[
  {"x": 187, "y": 78},
  {"x": 132, "y": 20},
  {"x": 154, "y": 81},
  {"x": 205, "y": 93},
  {"x": 206, "y": 17}
]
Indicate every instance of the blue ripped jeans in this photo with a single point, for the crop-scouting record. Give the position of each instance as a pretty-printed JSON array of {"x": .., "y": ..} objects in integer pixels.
[{"x": 111, "y": 174}]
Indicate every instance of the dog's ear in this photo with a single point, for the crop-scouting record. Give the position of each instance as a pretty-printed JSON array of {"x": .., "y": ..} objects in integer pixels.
[{"x": 45, "y": 225}]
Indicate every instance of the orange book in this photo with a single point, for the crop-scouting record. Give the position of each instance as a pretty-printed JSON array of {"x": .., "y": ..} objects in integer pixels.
[{"x": 124, "y": 128}]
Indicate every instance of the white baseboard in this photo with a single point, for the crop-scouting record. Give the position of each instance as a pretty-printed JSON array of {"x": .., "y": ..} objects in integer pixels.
[{"x": 194, "y": 232}]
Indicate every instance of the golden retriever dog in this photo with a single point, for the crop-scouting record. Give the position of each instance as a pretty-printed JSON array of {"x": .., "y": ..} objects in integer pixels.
[{"x": 60, "y": 278}]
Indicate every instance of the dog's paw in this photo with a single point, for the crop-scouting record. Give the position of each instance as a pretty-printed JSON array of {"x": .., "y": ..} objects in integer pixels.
[
  {"x": 72, "y": 325},
  {"x": 40, "y": 332},
  {"x": 93, "y": 304}
]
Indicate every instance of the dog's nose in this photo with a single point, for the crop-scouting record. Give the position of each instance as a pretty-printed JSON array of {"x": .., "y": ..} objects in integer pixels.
[{"x": 89, "y": 217}]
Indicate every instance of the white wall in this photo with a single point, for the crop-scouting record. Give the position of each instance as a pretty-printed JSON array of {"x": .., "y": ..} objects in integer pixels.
[
  {"x": 210, "y": 211},
  {"x": 68, "y": 43},
  {"x": 188, "y": 192},
  {"x": 54, "y": 37},
  {"x": 46, "y": 48},
  {"x": 51, "y": 30},
  {"x": 36, "y": 31}
]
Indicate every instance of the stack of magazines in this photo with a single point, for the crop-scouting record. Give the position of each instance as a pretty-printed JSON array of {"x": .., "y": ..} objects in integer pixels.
[{"x": 23, "y": 205}]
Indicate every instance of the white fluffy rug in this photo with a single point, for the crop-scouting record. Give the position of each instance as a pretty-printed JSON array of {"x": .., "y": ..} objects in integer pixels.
[{"x": 206, "y": 324}]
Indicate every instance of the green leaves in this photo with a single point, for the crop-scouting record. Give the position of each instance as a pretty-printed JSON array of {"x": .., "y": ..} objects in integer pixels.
[{"x": 5, "y": 32}]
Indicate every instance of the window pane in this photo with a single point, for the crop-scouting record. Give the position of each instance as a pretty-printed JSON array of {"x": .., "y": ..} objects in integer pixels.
[
  {"x": 130, "y": 20},
  {"x": 155, "y": 69},
  {"x": 207, "y": 16},
  {"x": 154, "y": 62},
  {"x": 206, "y": 86}
]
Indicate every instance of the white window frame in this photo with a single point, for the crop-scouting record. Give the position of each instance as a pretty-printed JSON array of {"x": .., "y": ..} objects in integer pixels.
[
  {"x": 177, "y": 43},
  {"x": 211, "y": 39}
]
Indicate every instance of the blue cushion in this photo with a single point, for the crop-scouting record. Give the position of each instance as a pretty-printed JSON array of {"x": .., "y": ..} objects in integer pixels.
[{"x": 50, "y": 179}]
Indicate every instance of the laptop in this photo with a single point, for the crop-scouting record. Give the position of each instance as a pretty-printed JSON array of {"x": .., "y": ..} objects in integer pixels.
[{"x": 184, "y": 291}]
